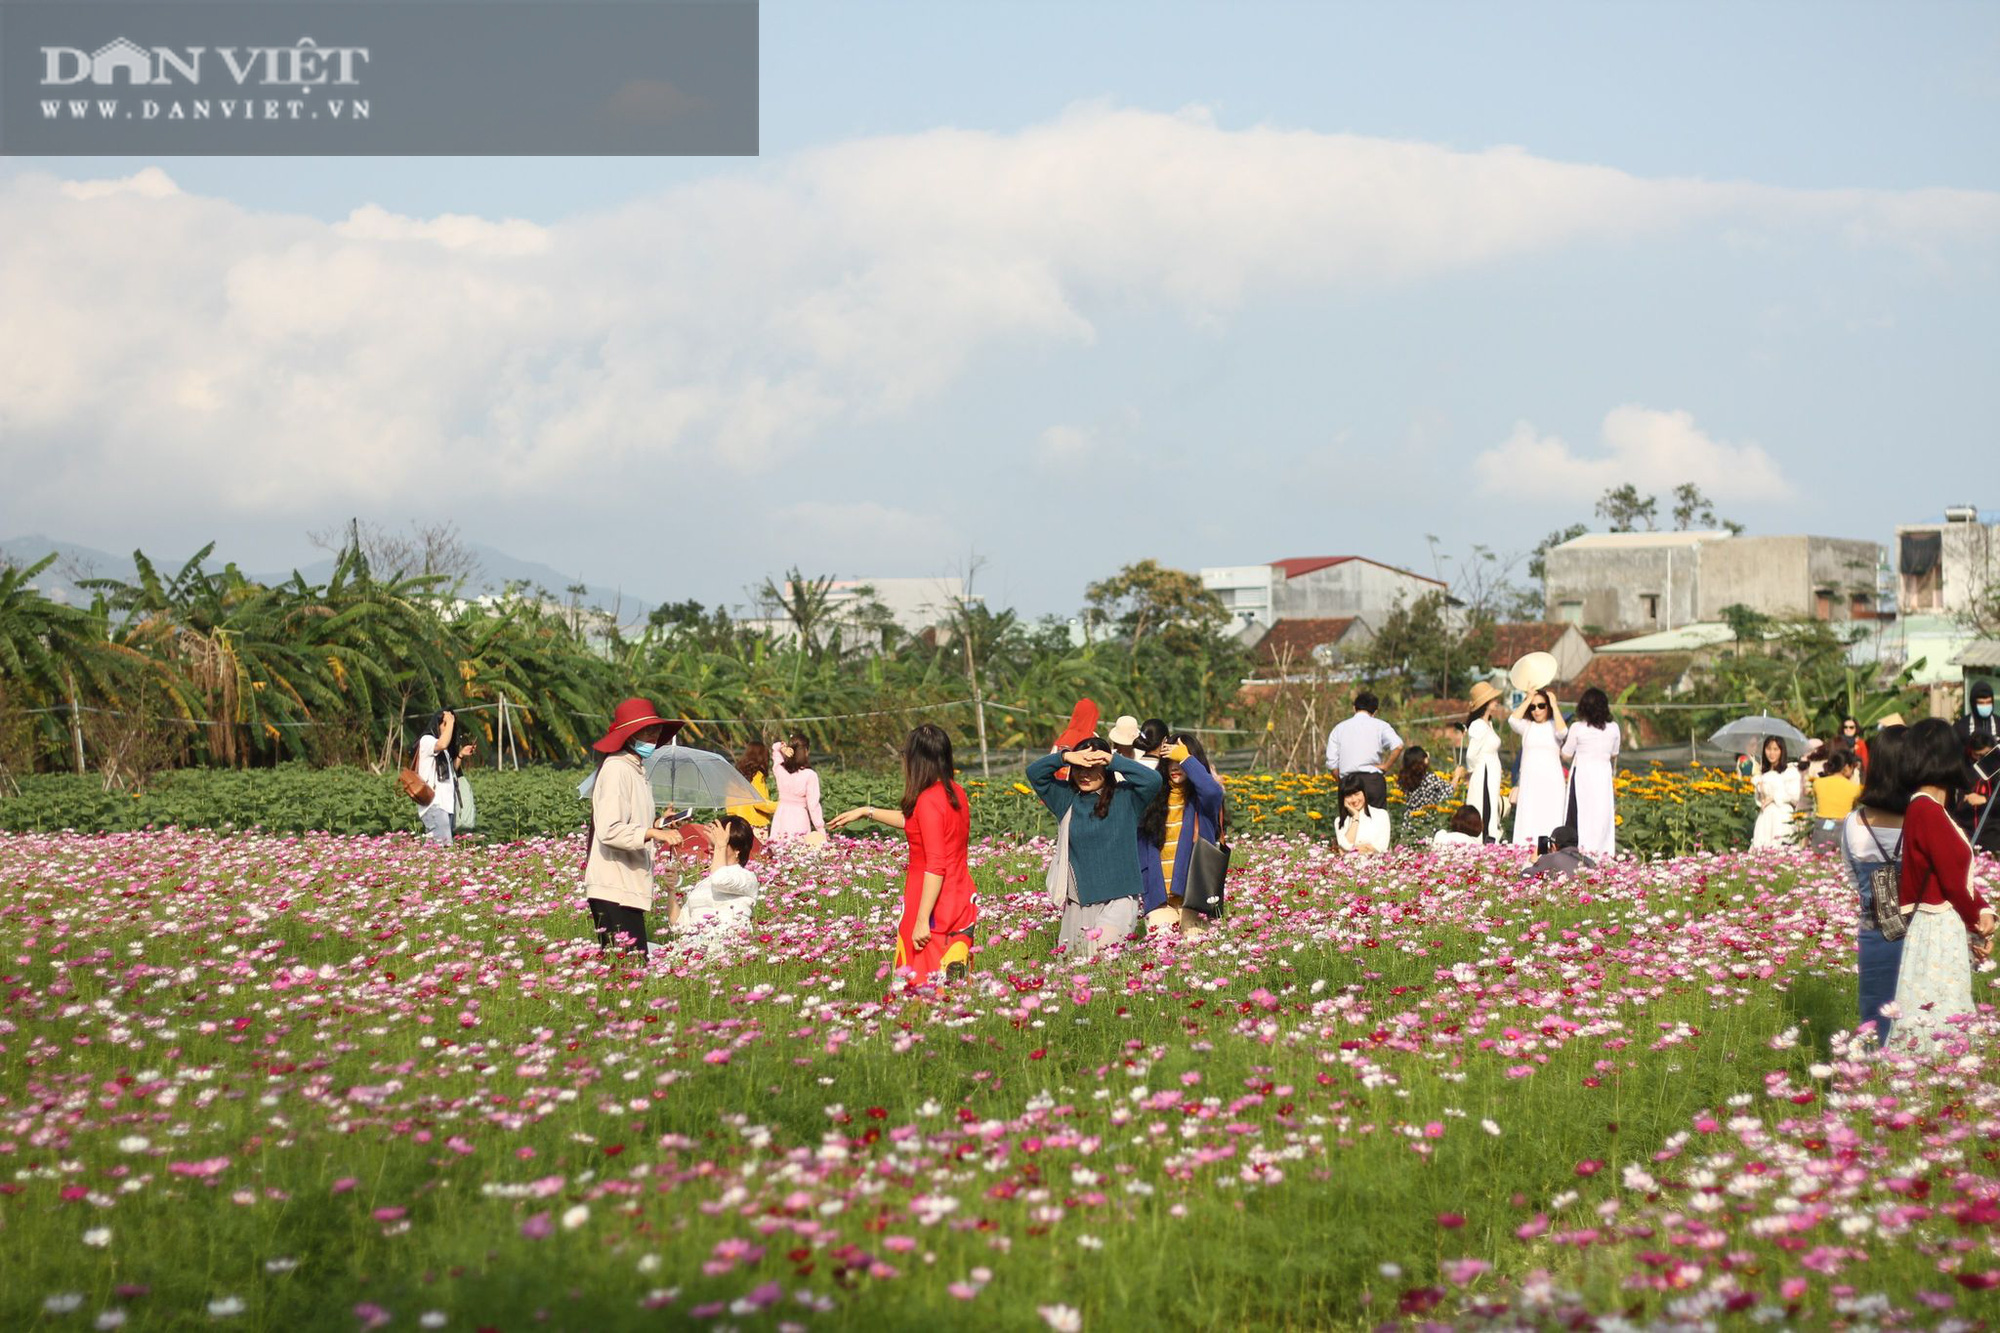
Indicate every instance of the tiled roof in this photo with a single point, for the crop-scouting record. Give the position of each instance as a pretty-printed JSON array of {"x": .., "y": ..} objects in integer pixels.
[
  {"x": 1307, "y": 564},
  {"x": 1517, "y": 639},
  {"x": 1616, "y": 673},
  {"x": 1295, "y": 639},
  {"x": 1299, "y": 565}
]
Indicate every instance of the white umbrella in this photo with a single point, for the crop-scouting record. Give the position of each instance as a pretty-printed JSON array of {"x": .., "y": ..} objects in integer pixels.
[
  {"x": 1757, "y": 728},
  {"x": 690, "y": 779}
]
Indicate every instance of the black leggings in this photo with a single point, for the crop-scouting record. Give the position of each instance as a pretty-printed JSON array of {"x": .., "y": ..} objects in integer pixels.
[{"x": 615, "y": 919}]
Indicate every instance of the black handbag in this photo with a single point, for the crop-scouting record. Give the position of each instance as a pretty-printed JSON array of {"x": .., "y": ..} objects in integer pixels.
[{"x": 1208, "y": 871}]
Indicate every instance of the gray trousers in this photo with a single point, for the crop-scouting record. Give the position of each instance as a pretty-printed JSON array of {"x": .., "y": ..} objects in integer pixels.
[
  {"x": 437, "y": 826},
  {"x": 1113, "y": 923}
]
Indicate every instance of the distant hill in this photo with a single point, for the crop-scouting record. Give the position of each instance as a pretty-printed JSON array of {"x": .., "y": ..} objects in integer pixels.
[{"x": 497, "y": 570}]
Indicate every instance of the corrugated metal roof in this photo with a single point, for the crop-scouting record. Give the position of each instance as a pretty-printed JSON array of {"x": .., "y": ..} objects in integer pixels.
[
  {"x": 1686, "y": 639},
  {"x": 1594, "y": 541}
]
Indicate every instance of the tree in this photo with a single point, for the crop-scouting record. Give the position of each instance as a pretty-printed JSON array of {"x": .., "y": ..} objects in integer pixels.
[
  {"x": 428, "y": 548},
  {"x": 1426, "y": 645},
  {"x": 805, "y": 602},
  {"x": 1533, "y": 604},
  {"x": 1624, "y": 508},
  {"x": 1746, "y": 623},
  {"x": 1149, "y": 599},
  {"x": 1691, "y": 506}
]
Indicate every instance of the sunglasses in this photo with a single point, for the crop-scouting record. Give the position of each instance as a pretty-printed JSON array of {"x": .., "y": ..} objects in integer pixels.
[{"x": 1538, "y": 708}]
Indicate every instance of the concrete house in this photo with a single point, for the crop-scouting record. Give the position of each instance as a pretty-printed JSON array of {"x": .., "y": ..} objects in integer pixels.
[
  {"x": 1662, "y": 580},
  {"x": 1327, "y": 587},
  {"x": 1948, "y": 567}
]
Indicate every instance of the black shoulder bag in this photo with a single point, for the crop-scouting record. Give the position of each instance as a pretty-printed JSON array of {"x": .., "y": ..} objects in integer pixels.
[{"x": 1208, "y": 869}]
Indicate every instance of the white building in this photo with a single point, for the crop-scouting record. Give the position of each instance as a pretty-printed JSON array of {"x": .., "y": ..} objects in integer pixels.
[
  {"x": 1326, "y": 587},
  {"x": 1949, "y": 567}
]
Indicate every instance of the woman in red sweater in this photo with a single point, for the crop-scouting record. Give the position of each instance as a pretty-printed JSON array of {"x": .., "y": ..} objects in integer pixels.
[
  {"x": 1950, "y": 922},
  {"x": 939, "y": 902}
]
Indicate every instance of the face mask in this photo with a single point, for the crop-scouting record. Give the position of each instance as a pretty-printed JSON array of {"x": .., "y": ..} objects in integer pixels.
[
  {"x": 1984, "y": 710},
  {"x": 643, "y": 749}
]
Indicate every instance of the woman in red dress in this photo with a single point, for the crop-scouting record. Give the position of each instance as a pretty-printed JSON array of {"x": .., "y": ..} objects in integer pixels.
[{"x": 939, "y": 901}]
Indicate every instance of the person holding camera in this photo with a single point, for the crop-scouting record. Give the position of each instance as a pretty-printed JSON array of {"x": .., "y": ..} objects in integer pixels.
[
  {"x": 1558, "y": 855},
  {"x": 437, "y": 766}
]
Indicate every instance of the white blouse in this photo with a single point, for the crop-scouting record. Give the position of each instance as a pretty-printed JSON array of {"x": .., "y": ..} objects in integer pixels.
[{"x": 1370, "y": 829}]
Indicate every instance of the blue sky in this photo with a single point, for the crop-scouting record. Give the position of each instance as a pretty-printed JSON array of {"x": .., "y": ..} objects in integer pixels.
[{"x": 1222, "y": 284}]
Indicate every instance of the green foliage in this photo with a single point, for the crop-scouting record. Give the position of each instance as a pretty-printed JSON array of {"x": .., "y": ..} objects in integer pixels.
[
  {"x": 245, "y": 675},
  {"x": 1422, "y": 646},
  {"x": 1666, "y": 813}
]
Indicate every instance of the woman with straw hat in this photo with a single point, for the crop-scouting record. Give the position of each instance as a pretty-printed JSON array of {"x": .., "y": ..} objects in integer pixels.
[
  {"x": 618, "y": 876},
  {"x": 1482, "y": 756}
]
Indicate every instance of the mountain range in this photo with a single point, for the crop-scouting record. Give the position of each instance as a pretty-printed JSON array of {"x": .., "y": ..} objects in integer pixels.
[{"x": 497, "y": 569}]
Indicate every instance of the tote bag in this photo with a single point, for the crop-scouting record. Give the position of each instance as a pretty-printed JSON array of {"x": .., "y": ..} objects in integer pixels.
[
  {"x": 1208, "y": 870},
  {"x": 1062, "y": 875}
]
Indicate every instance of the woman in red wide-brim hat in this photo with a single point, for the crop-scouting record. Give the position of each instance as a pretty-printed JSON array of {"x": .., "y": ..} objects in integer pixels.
[{"x": 618, "y": 876}]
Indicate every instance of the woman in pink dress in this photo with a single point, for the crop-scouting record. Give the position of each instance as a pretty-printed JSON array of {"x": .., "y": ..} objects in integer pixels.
[{"x": 798, "y": 791}]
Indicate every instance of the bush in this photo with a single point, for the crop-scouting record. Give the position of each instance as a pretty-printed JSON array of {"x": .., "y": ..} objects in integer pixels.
[{"x": 1664, "y": 812}]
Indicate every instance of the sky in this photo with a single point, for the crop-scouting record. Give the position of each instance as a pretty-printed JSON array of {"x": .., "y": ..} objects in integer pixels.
[{"x": 1060, "y": 287}]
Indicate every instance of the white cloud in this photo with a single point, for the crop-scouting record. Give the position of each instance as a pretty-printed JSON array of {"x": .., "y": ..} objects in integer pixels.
[
  {"x": 1063, "y": 447},
  {"x": 1653, "y": 450},
  {"x": 204, "y": 353},
  {"x": 150, "y": 182},
  {"x": 453, "y": 231}
]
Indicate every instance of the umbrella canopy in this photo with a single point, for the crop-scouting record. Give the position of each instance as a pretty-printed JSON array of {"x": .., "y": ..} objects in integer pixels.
[
  {"x": 1757, "y": 729},
  {"x": 690, "y": 779}
]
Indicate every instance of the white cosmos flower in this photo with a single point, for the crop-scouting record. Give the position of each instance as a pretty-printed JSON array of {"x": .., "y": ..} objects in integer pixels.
[
  {"x": 62, "y": 1302},
  {"x": 97, "y": 1237},
  {"x": 227, "y": 1307},
  {"x": 576, "y": 1217}
]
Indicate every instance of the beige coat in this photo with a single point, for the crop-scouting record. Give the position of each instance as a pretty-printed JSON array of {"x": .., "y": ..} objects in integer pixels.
[{"x": 621, "y": 860}]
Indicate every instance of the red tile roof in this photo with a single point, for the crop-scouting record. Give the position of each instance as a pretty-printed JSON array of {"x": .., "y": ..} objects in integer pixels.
[
  {"x": 1614, "y": 673},
  {"x": 1515, "y": 640},
  {"x": 1294, "y": 640},
  {"x": 1299, "y": 565}
]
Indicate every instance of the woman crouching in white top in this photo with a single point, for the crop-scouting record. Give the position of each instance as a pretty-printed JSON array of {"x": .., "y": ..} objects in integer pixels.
[
  {"x": 1360, "y": 827},
  {"x": 723, "y": 901}
]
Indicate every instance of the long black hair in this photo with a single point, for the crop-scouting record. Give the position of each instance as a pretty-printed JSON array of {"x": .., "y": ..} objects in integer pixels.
[
  {"x": 1416, "y": 767},
  {"x": 1885, "y": 786},
  {"x": 927, "y": 762},
  {"x": 1594, "y": 709},
  {"x": 1764, "y": 764},
  {"x": 1153, "y": 823},
  {"x": 434, "y": 727}
]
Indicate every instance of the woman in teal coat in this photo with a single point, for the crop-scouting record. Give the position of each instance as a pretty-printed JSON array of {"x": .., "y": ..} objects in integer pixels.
[{"x": 1097, "y": 814}]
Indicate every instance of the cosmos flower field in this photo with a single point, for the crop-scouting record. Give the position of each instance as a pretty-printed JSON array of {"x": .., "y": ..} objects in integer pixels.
[{"x": 334, "y": 1082}]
